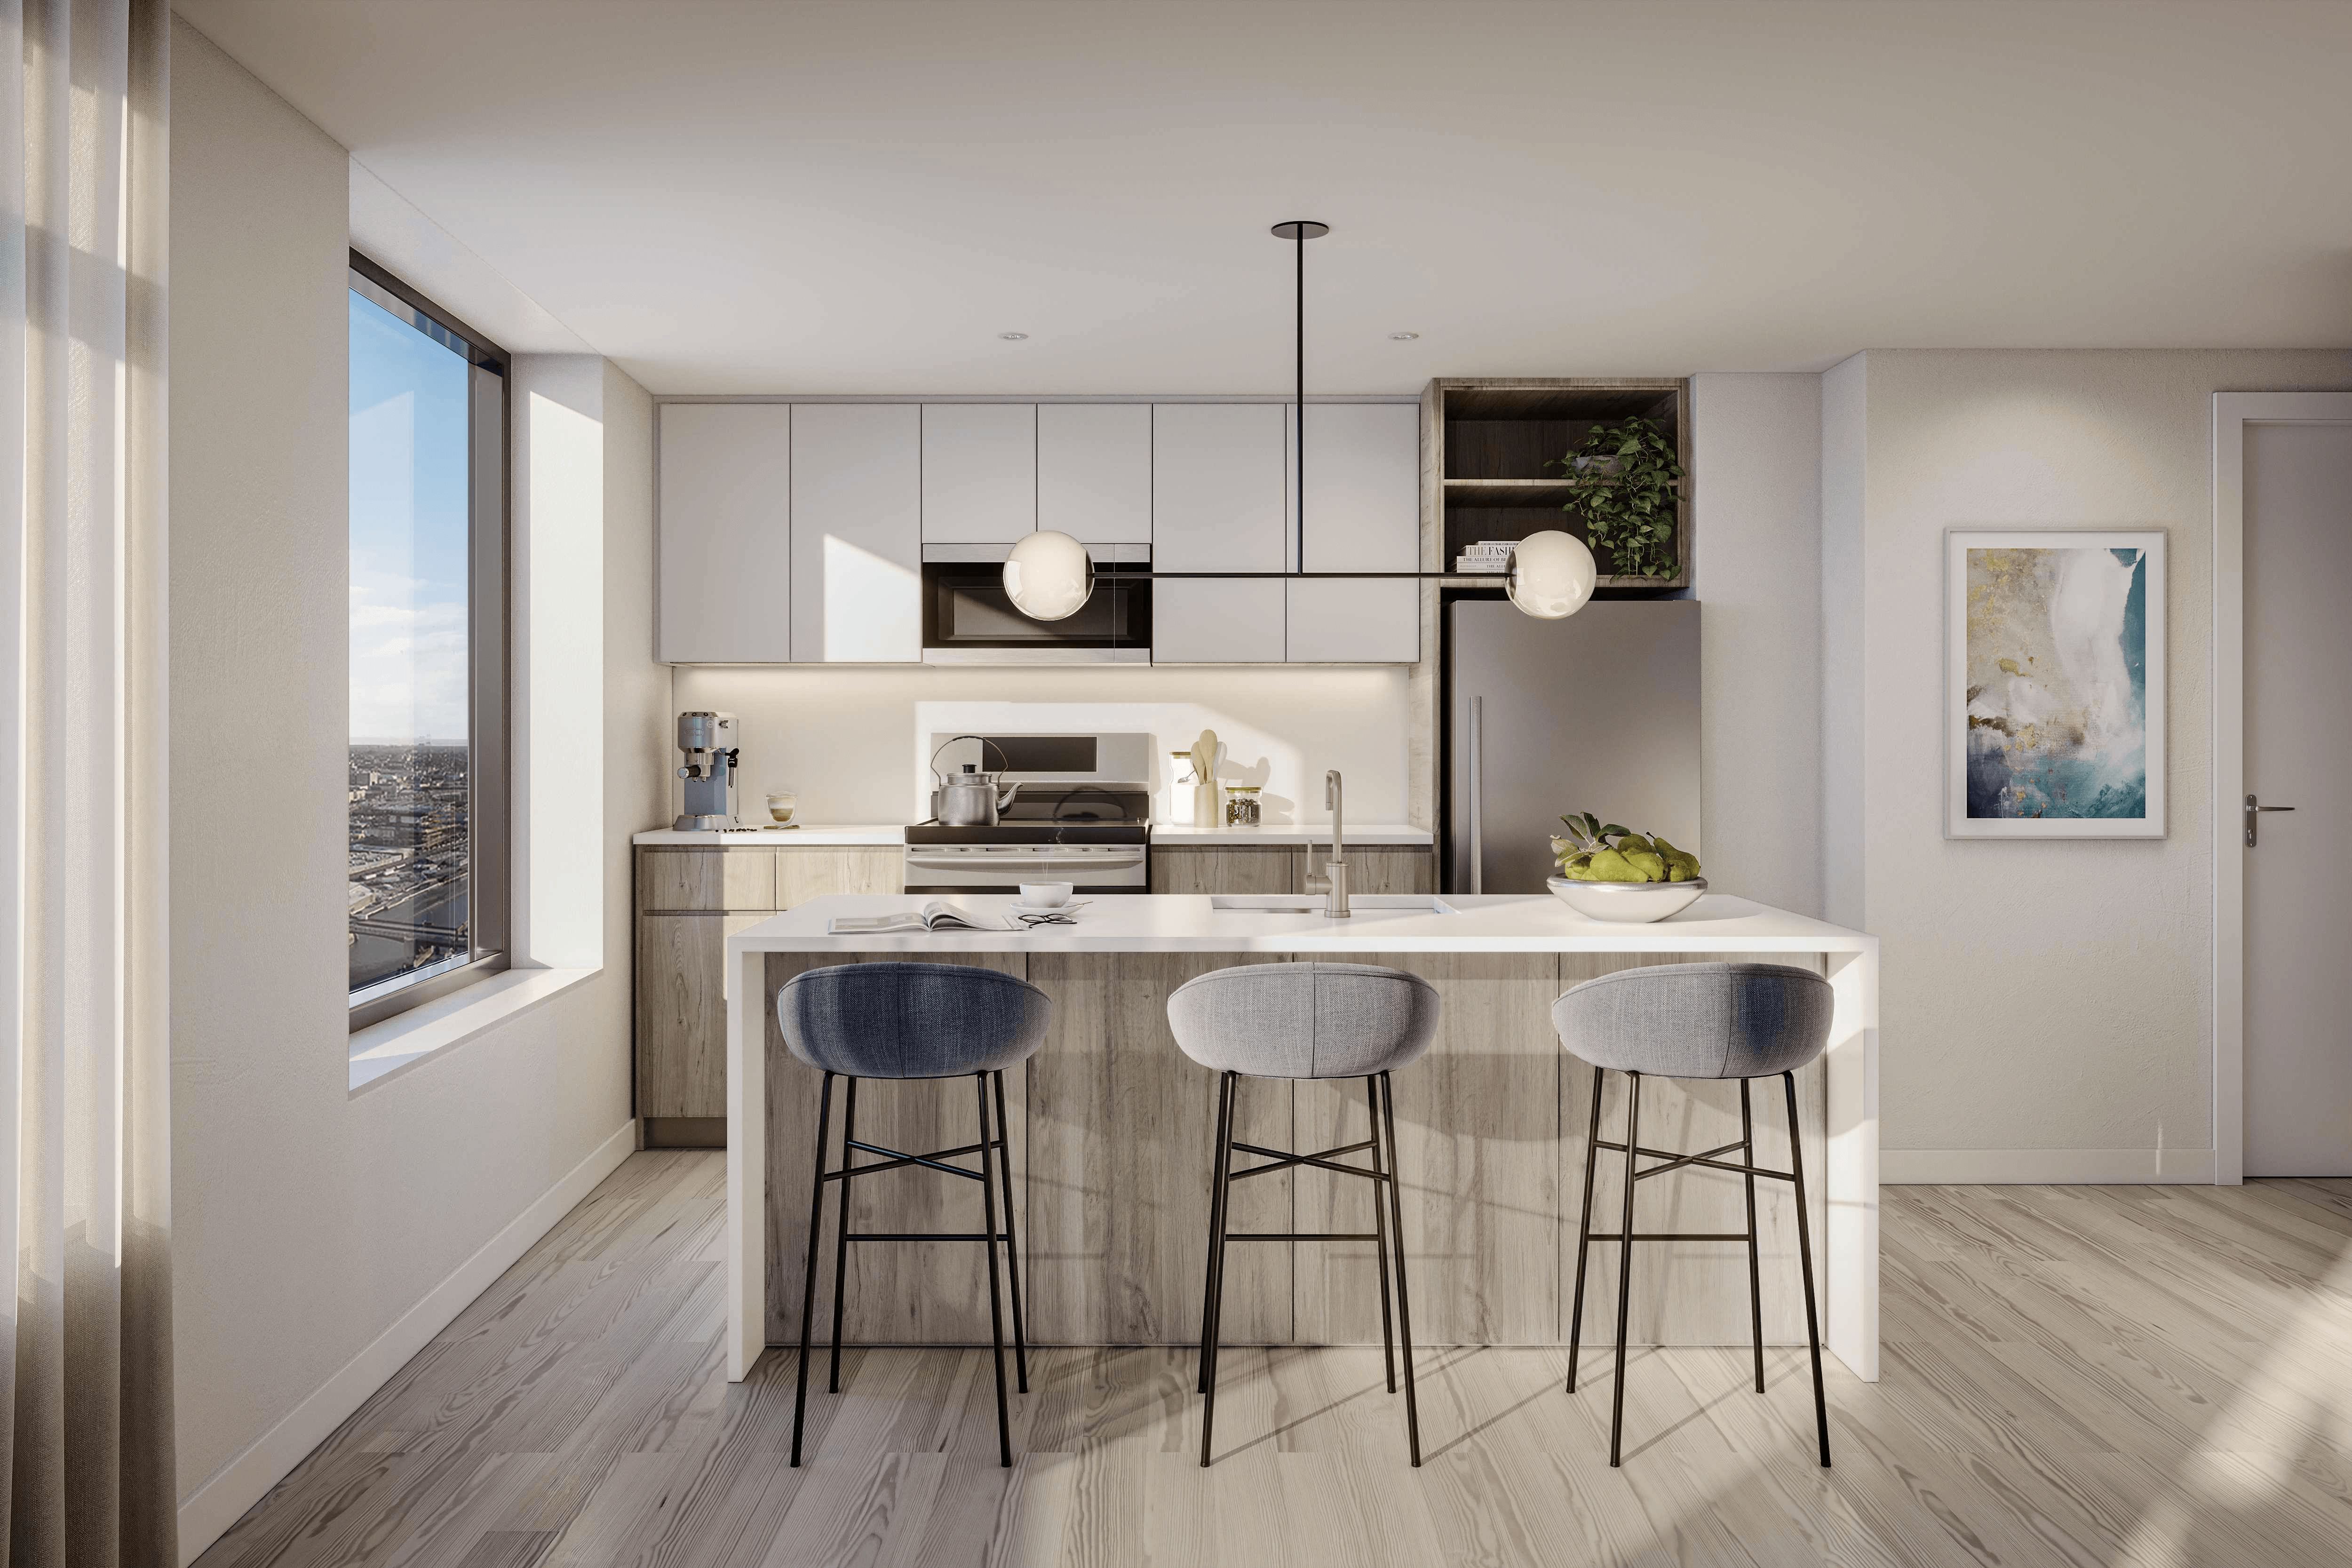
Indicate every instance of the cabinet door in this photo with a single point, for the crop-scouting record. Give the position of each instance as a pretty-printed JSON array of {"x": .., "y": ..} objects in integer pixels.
[
  {"x": 724, "y": 539},
  {"x": 980, "y": 472},
  {"x": 858, "y": 506},
  {"x": 677, "y": 880},
  {"x": 1250, "y": 869},
  {"x": 1363, "y": 514},
  {"x": 1217, "y": 473},
  {"x": 1215, "y": 621},
  {"x": 682, "y": 1012},
  {"x": 1094, "y": 471}
]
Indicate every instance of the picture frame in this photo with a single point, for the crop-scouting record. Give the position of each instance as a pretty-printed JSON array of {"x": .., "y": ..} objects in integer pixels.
[{"x": 2054, "y": 683}]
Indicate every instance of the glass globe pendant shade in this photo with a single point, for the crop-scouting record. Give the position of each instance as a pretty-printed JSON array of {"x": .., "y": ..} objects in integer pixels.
[
  {"x": 1049, "y": 576},
  {"x": 1552, "y": 575}
]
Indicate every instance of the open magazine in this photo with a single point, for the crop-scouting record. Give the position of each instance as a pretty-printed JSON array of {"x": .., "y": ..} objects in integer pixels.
[{"x": 937, "y": 915}]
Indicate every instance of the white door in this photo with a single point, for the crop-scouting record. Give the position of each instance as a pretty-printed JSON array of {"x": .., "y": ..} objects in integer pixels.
[
  {"x": 980, "y": 472},
  {"x": 857, "y": 509},
  {"x": 724, "y": 555},
  {"x": 2298, "y": 559},
  {"x": 1094, "y": 471},
  {"x": 1363, "y": 514},
  {"x": 1217, "y": 505}
]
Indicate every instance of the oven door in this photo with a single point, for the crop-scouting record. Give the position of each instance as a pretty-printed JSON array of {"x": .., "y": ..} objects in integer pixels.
[
  {"x": 968, "y": 619},
  {"x": 1003, "y": 868}
]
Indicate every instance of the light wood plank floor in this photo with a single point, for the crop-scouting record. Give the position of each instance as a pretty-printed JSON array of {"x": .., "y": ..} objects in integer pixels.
[{"x": 2158, "y": 1376}]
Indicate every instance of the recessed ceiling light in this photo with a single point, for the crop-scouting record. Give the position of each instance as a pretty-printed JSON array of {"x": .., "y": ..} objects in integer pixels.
[
  {"x": 1403, "y": 337},
  {"x": 1014, "y": 336}
]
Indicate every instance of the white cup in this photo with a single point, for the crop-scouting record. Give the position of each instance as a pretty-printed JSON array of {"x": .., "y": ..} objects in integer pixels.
[{"x": 1046, "y": 895}]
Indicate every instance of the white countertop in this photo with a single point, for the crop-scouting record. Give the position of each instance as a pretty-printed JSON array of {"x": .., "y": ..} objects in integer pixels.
[
  {"x": 1289, "y": 833},
  {"x": 1175, "y": 834},
  {"x": 768, "y": 837},
  {"x": 1173, "y": 922}
]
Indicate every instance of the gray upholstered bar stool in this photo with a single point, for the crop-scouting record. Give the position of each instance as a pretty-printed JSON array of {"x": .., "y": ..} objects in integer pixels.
[
  {"x": 1695, "y": 1021},
  {"x": 912, "y": 1021},
  {"x": 1307, "y": 1021}
]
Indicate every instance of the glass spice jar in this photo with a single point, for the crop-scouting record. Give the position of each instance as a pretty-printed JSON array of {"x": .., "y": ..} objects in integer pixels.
[{"x": 1242, "y": 806}]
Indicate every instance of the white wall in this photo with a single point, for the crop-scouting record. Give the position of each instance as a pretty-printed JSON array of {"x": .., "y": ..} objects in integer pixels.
[
  {"x": 845, "y": 737},
  {"x": 2046, "y": 1005},
  {"x": 1755, "y": 464},
  {"x": 315, "y": 1227}
]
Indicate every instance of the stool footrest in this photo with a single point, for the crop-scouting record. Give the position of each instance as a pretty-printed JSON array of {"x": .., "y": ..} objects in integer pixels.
[
  {"x": 898, "y": 1161},
  {"x": 1302, "y": 1236},
  {"x": 1322, "y": 1161},
  {"x": 920, "y": 1236},
  {"x": 1671, "y": 1236},
  {"x": 1707, "y": 1160}
]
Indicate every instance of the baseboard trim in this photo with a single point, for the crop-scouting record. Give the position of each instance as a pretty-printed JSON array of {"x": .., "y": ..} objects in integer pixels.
[
  {"x": 2040, "y": 1167},
  {"x": 237, "y": 1486}
]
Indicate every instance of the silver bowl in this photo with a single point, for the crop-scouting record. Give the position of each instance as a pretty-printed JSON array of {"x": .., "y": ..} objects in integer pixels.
[{"x": 1630, "y": 902}]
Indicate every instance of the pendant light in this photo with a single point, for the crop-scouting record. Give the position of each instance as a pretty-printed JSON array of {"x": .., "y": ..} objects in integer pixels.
[{"x": 1049, "y": 575}]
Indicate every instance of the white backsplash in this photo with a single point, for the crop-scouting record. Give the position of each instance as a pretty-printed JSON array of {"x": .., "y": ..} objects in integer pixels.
[{"x": 851, "y": 739}]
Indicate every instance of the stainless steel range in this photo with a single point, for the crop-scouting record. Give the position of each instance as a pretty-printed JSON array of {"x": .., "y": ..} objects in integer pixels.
[{"x": 1082, "y": 814}]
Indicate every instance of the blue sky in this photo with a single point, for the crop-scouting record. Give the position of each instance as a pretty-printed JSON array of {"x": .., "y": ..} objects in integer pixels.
[{"x": 408, "y": 532}]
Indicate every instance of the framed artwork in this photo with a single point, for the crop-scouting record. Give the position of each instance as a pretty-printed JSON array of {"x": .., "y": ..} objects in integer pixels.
[{"x": 2054, "y": 690}]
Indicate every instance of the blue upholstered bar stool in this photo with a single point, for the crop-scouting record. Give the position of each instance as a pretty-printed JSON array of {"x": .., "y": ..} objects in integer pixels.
[
  {"x": 1307, "y": 1021},
  {"x": 1695, "y": 1021},
  {"x": 912, "y": 1021}
]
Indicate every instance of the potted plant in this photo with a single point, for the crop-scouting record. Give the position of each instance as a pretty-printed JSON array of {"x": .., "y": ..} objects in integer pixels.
[{"x": 1626, "y": 475}]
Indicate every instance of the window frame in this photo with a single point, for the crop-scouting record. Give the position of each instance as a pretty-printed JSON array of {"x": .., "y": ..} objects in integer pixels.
[{"x": 489, "y": 654}]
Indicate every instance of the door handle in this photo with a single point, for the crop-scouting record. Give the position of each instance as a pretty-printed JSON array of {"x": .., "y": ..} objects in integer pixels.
[{"x": 2254, "y": 807}]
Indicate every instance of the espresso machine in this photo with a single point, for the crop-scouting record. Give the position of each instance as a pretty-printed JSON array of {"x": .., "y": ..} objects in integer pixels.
[{"x": 709, "y": 742}]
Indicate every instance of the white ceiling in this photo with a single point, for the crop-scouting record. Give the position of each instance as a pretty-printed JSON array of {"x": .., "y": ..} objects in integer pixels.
[{"x": 730, "y": 197}]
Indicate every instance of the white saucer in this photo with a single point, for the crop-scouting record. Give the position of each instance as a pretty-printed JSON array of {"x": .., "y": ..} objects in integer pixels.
[{"x": 1019, "y": 908}]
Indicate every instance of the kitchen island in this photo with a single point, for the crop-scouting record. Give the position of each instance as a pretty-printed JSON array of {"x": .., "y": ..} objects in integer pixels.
[{"x": 1112, "y": 1127}]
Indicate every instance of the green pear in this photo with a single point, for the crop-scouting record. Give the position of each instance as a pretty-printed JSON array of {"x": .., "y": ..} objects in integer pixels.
[
  {"x": 1651, "y": 865},
  {"x": 1611, "y": 865}
]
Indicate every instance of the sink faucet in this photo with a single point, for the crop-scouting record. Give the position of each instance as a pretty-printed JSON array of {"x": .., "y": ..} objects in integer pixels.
[{"x": 1334, "y": 880}]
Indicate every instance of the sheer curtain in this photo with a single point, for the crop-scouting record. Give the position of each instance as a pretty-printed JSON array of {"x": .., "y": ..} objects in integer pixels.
[{"x": 85, "y": 1105}]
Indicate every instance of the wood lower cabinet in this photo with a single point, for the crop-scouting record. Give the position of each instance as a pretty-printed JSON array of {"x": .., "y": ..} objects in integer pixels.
[
  {"x": 689, "y": 901},
  {"x": 1284, "y": 868}
]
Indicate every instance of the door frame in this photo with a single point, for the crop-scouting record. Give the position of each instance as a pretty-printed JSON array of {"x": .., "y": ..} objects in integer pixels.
[{"x": 2233, "y": 412}]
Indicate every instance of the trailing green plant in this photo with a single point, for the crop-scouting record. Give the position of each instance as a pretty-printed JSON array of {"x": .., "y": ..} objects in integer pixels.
[{"x": 1626, "y": 496}]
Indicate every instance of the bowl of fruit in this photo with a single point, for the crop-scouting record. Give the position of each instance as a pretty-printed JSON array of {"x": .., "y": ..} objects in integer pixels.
[{"x": 1611, "y": 873}]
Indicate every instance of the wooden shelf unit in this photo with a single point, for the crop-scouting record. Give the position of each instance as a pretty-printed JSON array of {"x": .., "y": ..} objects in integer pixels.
[{"x": 1493, "y": 442}]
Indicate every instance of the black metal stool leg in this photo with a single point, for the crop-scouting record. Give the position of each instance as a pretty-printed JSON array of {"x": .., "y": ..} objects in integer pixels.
[
  {"x": 1381, "y": 1230},
  {"x": 808, "y": 1279},
  {"x": 1404, "y": 1297},
  {"x": 1625, "y": 1266},
  {"x": 1011, "y": 1242},
  {"x": 841, "y": 1237},
  {"x": 1805, "y": 1262},
  {"x": 1216, "y": 1220},
  {"x": 1755, "y": 1277},
  {"x": 1584, "y": 1231},
  {"x": 995, "y": 1301},
  {"x": 1210, "y": 1310}
]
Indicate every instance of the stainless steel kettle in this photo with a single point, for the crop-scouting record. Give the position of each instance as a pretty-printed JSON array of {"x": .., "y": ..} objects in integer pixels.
[{"x": 969, "y": 799}]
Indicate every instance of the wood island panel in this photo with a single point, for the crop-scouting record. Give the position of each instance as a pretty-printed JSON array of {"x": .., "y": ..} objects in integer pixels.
[{"x": 1122, "y": 1138}]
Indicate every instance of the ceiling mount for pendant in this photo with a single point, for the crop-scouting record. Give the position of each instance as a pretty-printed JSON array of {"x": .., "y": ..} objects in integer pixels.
[{"x": 1293, "y": 229}]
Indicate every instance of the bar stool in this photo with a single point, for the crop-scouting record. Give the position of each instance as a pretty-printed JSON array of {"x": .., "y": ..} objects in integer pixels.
[
  {"x": 1695, "y": 1021},
  {"x": 912, "y": 1021},
  {"x": 1307, "y": 1021}
]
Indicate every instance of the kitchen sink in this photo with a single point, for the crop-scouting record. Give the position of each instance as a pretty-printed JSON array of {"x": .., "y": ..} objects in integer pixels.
[{"x": 1312, "y": 903}]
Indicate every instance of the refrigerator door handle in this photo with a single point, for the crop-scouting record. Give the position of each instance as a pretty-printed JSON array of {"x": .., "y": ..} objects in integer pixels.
[{"x": 1477, "y": 844}]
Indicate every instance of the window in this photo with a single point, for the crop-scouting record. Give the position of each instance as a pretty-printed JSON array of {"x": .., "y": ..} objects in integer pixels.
[{"x": 427, "y": 795}]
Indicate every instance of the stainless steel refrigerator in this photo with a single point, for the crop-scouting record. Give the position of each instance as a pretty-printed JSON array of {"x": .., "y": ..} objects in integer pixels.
[{"x": 1597, "y": 712}]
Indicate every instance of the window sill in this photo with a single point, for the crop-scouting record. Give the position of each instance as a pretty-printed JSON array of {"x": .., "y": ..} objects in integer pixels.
[{"x": 383, "y": 1051}]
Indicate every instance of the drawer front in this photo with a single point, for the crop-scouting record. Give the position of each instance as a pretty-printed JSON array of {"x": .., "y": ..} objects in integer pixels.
[
  {"x": 813, "y": 872},
  {"x": 708, "y": 881},
  {"x": 1254, "y": 868},
  {"x": 1391, "y": 869}
]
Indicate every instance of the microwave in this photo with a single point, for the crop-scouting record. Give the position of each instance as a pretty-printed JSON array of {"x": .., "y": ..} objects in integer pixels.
[{"x": 968, "y": 619}]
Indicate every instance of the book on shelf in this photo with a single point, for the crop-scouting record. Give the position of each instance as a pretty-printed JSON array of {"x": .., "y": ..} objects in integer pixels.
[{"x": 936, "y": 915}]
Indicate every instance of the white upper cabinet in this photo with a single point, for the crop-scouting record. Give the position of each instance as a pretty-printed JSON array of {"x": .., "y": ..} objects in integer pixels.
[
  {"x": 725, "y": 541},
  {"x": 1094, "y": 471},
  {"x": 1363, "y": 514},
  {"x": 856, "y": 525},
  {"x": 1217, "y": 472},
  {"x": 980, "y": 472}
]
